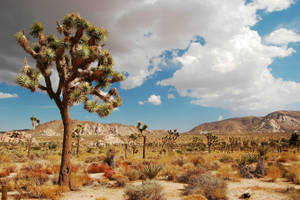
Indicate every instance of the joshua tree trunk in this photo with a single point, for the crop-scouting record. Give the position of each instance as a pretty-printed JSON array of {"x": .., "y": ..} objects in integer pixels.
[
  {"x": 29, "y": 146},
  {"x": 65, "y": 167},
  {"x": 78, "y": 145},
  {"x": 125, "y": 149},
  {"x": 144, "y": 147}
]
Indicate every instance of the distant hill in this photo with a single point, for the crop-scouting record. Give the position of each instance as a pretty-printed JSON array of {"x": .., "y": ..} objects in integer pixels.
[
  {"x": 55, "y": 128},
  {"x": 279, "y": 121}
]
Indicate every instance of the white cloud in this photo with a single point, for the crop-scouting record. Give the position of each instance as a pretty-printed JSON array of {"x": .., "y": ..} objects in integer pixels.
[
  {"x": 7, "y": 95},
  {"x": 171, "y": 96},
  {"x": 234, "y": 75},
  {"x": 153, "y": 99},
  {"x": 282, "y": 36},
  {"x": 272, "y": 5},
  {"x": 220, "y": 118}
]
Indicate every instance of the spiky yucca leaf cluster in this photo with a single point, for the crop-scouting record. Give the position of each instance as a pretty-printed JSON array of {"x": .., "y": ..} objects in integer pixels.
[
  {"x": 36, "y": 29},
  {"x": 29, "y": 78}
]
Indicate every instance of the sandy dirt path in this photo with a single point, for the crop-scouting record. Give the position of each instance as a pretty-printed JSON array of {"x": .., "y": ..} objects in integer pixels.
[{"x": 171, "y": 190}]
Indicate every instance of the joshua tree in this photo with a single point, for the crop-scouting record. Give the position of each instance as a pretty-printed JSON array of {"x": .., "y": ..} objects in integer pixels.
[
  {"x": 132, "y": 142},
  {"x": 211, "y": 140},
  {"x": 141, "y": 130},
  {"x": 76, "y": 134},
  {"x": 171, "y": 138},
  {"x": 34, "y": 121},
  {"x": 84, "y": 68}
]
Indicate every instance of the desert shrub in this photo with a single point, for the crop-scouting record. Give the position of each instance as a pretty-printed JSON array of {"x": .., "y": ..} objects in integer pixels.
[
  {"x": 52, "y": 192},
  {"x": 273, "y": 172},
  {"x": 294, "y": 139},
  {"x": 247, "y": 159},
  {"x": 287, "y": 156},
  {"x": 98, "y": 168},
  {"x": 227, "y": 173},
  {"x": 170, "y": 171},
  {"x": 293, "y": 193},
  {"x": 120, "y": 179},
  {"x": 80, "y": 179},
  {"x": 196, "y": 160},
  {"x": 4, "y": 172},
  {"x": 226, "y": 158},
  {"x": 185, "y": 176},
  {"x": 212, "y": 187},
  {"x": 148, "y": 190},
  {"x": 293, "y": 174},
  {"x": 179, "y": 161},
  {"x": 101, "y": 198},
  {"x": 108, "y": 173},
  {"x": 132, "y": 174},
  {"x": 151, "y": 170},
  {"x": 195, "y": 197}
]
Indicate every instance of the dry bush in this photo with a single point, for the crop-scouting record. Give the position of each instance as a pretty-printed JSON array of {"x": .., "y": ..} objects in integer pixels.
[
  {"x": 185, "y": 176},
  {"x": 80, "y": 179},
  {"x": 120, "y": 179},
  {"x": 170, "y": 171},
  {"x": 147, "y": 191},
  {"x": 98, "y": 168},
  {"x": 273, "y": 172},
  {"x": 52, "y": 192},
  {"x": 293, "y": 193},
  {"x": 108, "y": 173},
  {"x": 196, "y": 160},
  {"x": 225, "y": 158},
  {"x": 180, "y": 161},
  {"x": 101, "y": 198},
  {"x": 212, "y": 187},
  {"x": 293, "y": 174},
  {"x": 287, "y": 156},
  {"x": 4, "y": 172},
  {"x": 227, "y": 173},
  {"x": 131, "y": 173},
  {"x": 195, "y": 197}
]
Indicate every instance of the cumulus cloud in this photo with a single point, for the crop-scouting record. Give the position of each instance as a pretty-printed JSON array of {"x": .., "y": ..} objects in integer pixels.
[
  {"x": 7, "y": 95},
  {"x": 153, "y": 99},
  {"x": 282, "y": 36},
  {"x": 229, "y": 71},
  {"x": 171, "y": 96},
  {"x": 272, "y": 5}
]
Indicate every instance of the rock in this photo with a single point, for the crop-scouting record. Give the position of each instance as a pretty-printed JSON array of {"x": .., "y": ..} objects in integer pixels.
[{"x": 245, "y": 196}]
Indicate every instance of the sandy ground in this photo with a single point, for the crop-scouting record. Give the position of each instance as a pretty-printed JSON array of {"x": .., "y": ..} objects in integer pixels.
[
  {"x": 259, "y": 189},
  {"x": 171, "y": 190}
]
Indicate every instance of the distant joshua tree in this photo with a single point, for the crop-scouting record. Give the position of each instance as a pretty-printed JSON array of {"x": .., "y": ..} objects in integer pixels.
[
  {"x": 170, "y": 139},
  {"x": 84, "y": 68},
  {"x": 77, "y": 135},
  {"x": 35, "y": 122},
  {"x": 211, "y": 140},
  {"x": 141, "y": 130}
]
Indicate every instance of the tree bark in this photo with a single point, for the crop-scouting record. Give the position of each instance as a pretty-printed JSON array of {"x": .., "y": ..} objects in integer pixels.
[
  {"x": 65, "y": 166},
  {"x": 144, "y": 147}
]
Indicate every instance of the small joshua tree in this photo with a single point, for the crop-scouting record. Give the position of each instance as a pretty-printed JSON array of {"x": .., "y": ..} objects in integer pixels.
[
  {"x": 84, "y": 68},
  {"x": 76, "y": 135},
  {"x": 35, "y": 122},
  {"x": 171, "y": 138},
  {"x": 141, "y": 130},
  {"x": 211, "y": 140},
  {"x": 132, "y": 142}
]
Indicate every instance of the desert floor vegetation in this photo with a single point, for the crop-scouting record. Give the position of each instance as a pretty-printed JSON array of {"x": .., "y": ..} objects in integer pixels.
[{"x": 185, "y": 171}]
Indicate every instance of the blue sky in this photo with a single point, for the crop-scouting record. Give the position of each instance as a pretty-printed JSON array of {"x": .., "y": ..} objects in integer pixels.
[{"x": 187, "y": 63}]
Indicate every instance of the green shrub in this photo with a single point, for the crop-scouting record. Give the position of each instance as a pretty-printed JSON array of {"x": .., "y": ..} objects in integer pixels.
[{"x": 151, "y": 170}]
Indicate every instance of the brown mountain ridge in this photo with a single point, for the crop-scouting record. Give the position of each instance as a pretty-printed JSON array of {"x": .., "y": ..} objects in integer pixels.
[{"x": 279, "y": 121}]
